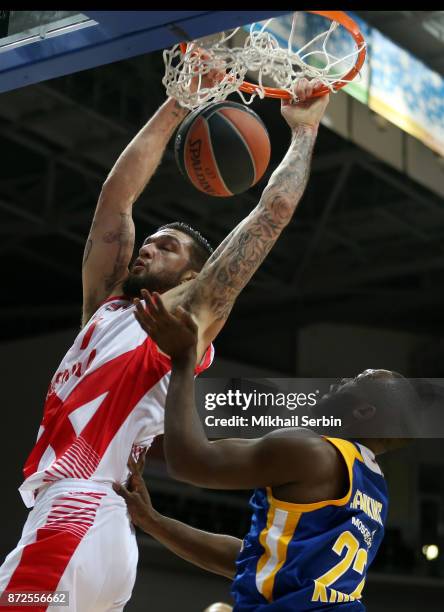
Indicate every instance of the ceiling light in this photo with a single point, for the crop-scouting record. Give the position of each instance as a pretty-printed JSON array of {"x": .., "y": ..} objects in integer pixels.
[
  {"x": 430, "y": 551},
  {"x": 434, "y": 24}
]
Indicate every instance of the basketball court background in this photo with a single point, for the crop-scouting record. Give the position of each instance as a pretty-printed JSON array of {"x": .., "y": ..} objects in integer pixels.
[{"x": 356, "y": 281}]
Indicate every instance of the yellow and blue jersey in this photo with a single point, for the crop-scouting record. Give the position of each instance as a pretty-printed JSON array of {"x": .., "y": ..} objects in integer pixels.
[{"x": 313, "y": 557}]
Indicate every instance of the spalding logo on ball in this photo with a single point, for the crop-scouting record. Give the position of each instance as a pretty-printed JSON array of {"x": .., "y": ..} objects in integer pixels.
[{"x": 223, "y": 149}]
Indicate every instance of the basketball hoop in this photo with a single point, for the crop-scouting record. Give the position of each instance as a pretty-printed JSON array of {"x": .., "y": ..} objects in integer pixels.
[{"x": 276, "y": 68}]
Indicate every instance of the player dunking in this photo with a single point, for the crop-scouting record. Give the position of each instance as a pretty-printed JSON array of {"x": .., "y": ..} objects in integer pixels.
[
  {"x": 320, "y": 504},
  {"x": 107, "y": 396}
]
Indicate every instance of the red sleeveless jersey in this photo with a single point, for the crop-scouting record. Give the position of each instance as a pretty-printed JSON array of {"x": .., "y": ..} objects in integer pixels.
[{"x": 106, "y": 399}]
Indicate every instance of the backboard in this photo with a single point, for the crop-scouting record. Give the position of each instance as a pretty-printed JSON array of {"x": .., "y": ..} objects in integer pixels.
[{"x": 39, "y": 45}]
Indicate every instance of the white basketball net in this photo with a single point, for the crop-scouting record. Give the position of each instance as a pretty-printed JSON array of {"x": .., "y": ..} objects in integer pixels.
[{"x": 261, "y": 53}]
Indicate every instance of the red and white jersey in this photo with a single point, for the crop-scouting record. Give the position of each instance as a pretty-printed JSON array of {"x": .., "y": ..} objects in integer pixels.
[{"x": 106, "y": 399}]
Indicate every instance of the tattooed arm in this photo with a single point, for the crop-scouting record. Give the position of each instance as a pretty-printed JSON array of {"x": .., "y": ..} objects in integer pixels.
[
  {"x": 234, "y": 262},
  {"x": 110, "y": 243}
]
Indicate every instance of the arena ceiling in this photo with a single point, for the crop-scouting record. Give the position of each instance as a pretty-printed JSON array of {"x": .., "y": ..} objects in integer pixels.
[{"x": 366, "y": 245}]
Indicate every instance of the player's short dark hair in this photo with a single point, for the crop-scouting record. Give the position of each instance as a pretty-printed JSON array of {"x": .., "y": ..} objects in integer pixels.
[
  {"x": 201, "y": 249},
  {"x": 395, "y": 399},
  {"x": 384, "y": 390}
]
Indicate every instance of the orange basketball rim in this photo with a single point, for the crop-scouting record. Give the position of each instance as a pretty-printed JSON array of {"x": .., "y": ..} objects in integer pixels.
[{"x": 351, "y": 26}]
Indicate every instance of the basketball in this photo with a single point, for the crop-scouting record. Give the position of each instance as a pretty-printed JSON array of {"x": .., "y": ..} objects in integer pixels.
[{"x": 223, "y": 149}]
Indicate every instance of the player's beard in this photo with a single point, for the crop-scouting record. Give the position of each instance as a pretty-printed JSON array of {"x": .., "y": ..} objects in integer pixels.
[{"x": 153, "y": 282}]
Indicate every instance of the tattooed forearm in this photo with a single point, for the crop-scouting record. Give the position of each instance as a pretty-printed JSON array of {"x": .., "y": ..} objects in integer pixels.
[
  {"x": 124, "y": 238},
  {"x": 291, "y": 176},
  {"x": 106, "y": 258},
  {"x": 245, "y": 250},
  {"x": 238, "y": 257}
]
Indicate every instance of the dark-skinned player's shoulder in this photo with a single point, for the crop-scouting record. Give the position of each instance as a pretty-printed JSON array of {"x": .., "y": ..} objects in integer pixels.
[{"x": 315, "y": 457}]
